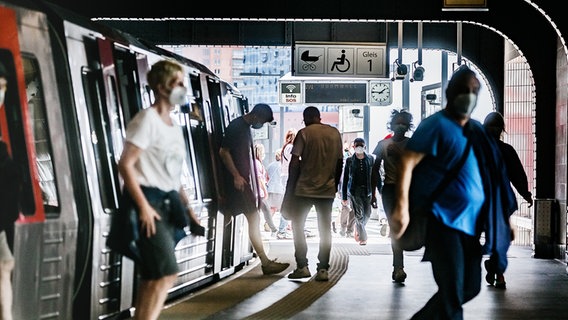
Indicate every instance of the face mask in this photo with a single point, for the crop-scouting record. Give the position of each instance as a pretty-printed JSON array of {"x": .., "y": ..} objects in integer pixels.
[
  {"x": 257, "y": 125},
  {"x": 177, "y": 96},
  {"x": 360, "y": 150},
  {"x": 465, "y": 103},
  {"x": 400, "y": 128}
]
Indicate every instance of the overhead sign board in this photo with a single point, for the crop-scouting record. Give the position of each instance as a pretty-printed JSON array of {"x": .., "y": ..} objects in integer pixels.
[
  {"x": 334, "y": 91},
  {"x": 337, "y": 59}
]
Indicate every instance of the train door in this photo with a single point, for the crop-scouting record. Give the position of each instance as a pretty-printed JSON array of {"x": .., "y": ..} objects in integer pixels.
[
  {"x": 229, "y": 105},
  {"x": 196, "y": 254},
  {"x": 31, "y": 121},
  {"x": 104, "y": 280}
]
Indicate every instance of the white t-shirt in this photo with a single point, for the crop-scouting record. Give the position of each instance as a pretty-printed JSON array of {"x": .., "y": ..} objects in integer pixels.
[{"x": 160, "y": 164}]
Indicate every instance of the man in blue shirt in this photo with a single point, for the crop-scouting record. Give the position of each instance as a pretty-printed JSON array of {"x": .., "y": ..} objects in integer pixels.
[{"x": 475, "y": 201}]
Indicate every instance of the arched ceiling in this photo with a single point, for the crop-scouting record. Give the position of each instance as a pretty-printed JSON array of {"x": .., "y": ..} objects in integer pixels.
[{"x": 537, "y": 28}]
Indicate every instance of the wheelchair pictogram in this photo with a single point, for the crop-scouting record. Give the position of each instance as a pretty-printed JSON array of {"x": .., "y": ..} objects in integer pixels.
[
  {"x": 309, "y": 61},
  {"x": 340, "y": 63}
]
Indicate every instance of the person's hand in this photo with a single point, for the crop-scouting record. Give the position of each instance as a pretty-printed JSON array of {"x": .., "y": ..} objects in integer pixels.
[
  {"x": 530, "y": 201},
  {"x": 374, "y": 202},
  {"x": 147, "y": 217},
  {"x": 399, "y": 222},
  {"x": 239, "y": 182}
]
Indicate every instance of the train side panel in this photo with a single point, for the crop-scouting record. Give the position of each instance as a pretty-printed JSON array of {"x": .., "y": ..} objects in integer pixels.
[
  {"x": 79, "y": 85},
  {"x": 46, "y": 232}
]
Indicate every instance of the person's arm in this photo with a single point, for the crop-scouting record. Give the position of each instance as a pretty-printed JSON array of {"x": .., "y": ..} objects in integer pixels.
[
  {"x": 376, "y": 182},
  {"x": 517, "y": 174},
  {"x": 190, "y": 213},
  {"x": 262, "y": 177},
  {"x": 146, "y": 212},
  {"x": 400, "y": 215},
  {"x": 345, "y": 180},
  {"x": 238, "y": 181},
  {"x": 293, "y": 172}
]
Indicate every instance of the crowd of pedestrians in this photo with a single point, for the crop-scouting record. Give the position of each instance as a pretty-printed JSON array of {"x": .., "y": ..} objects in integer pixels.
[{"x": 314, "y": 168}]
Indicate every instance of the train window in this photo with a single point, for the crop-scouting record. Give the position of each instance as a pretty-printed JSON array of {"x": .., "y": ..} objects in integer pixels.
[
  {"x": 101, "y": 138},
  {"x": 117, "y": 130},
  {"x": 188, "y": 183},
  {"x": 42, "y": 140}
]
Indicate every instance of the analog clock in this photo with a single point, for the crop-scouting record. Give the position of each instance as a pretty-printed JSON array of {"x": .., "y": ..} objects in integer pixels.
[{"x": 381, "y": 92}]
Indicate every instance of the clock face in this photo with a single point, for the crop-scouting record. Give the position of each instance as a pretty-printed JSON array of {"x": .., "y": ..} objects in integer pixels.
[{"x": 381, "y": 92}]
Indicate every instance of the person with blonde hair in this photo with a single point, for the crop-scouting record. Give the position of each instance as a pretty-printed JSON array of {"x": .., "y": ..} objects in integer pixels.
[
  {"x": 151, "y": 164},
  {"x": 286, "y": 156},
  {"x": 274, "y": 185},
  {"x": 262, "y": 178}
]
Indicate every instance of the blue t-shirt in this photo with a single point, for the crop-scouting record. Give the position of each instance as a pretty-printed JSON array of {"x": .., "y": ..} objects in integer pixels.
[{"x": 442, "y": 140}]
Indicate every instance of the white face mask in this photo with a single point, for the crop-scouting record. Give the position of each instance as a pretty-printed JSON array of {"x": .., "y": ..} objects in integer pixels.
[
  {"x": 360, "y": 150},
  {"x": 465, "y": 103},
  {"x": 177, "y": 96},
  {"x": 2, "y": 96}
]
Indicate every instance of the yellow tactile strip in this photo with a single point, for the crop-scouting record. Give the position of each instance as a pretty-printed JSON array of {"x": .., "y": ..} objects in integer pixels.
[{"x": 310, "y": 291}]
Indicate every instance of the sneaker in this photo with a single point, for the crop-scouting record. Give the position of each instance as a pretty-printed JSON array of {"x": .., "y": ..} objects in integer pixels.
[
  {"x": 300, "y": 273},
  {"x": 342, "y": 233},
  {"x": 500, "y": 282},
  {"x": 349, "y": 234},
  {"x": 309, "y": 234},
  {"x": 322, "y": 275},
  {"x": 273, "y": 234},
  {"x": 398, "y": 275},
  {"x": 274, "y": 267},
  {"x": 266, "y": 227},
  {"x": 383, "y": 231},
  {"x": 283, "y": 236},
  {"x": 490, "y": 276},
  {"x": 363, "y": 242}
]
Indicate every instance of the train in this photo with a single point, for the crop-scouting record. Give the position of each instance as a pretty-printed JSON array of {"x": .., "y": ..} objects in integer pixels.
[{"x": 73, "y": 86}]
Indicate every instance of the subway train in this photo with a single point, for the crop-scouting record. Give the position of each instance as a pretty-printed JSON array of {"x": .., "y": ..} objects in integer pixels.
[{"x": 73, "y": 85}]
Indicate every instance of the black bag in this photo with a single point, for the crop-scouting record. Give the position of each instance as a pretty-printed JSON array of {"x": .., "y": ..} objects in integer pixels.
[
  {"x": 287, "y": 209},
  {"x": 414, "y": 236},
  {"x": 124, "y": 229}
]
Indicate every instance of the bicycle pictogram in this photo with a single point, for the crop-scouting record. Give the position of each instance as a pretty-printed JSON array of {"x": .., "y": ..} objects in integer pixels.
[{"x": 341, "y": 62}]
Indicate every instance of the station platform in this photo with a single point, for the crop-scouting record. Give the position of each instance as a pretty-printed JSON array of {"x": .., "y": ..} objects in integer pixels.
[{"x": 360, "y": 287}]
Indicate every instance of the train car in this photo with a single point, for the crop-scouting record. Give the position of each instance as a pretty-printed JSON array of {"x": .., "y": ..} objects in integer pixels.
[{"x": 73, "y": 87}]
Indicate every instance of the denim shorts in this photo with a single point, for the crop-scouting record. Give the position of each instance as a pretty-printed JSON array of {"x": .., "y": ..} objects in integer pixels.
[{"x": 158, "y": 252}]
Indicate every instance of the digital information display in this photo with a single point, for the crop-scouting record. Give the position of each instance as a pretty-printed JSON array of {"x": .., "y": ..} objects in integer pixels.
[{"x": 335, "y": 93}]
